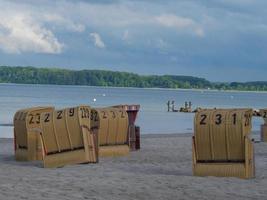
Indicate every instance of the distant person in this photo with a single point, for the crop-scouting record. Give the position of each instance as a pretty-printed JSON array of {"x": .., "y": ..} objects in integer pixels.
[
  {"x": 169, "y": 105},
  {"x": 173, "y": 105},
  {"x": 186, "y": 105},
  {"x": 190, "y": 104}
]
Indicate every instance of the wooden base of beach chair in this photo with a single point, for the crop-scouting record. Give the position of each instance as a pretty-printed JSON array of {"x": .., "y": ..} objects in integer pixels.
[
  {"x": 60, "y": 159},
  {"x": 114, "y": 150},
  {"x": 243, "y": 170},
  {"x": 221, "y": 170},
  {"x": 27, "y": 155},
  {"x": 33, "y": 151},
  {"x": 22, "y": 155},
  {"x": 88, "y": 154},
  {"x": 264, "y": 133}
]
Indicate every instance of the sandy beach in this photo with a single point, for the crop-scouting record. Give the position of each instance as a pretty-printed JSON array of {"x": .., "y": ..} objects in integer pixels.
[{"x": 161, "y": 170}]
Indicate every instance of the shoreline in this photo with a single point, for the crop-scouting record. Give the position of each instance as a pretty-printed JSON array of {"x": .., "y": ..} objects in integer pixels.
[
  {"x": 163, "y": 135},
  {"x": 146, "y": 135},
  {"x": 138, "y": 88}
]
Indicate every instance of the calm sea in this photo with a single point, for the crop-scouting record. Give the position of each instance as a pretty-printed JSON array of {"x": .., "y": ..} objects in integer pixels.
[{"x": 153, "y": 116}]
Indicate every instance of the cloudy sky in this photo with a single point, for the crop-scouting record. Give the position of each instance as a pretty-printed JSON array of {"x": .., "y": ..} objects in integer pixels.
[{"x": 221, "y": 40}]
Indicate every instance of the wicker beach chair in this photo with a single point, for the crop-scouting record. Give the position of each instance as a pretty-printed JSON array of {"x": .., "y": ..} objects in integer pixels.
[
  {"x": 67, "y": 137},
  {"x": 221, "y": 143},
  {"x": 111, "y": 125},
  {"x": 26, "y": 142}
]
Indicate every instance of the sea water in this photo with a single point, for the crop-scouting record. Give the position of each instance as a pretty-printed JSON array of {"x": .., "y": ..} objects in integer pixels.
[{"x": 153, "y": 116}]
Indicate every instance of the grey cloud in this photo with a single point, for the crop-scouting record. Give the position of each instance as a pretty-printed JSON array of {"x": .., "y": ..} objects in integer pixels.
[{"x": 193, "y": 36}]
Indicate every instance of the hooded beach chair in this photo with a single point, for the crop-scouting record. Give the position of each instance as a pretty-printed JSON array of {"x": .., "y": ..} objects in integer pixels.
[
  {"x": 26, "y": 141},
  {"x": 221, "y": 143},
  {"x": 111, "y": 125},
  {"x": 67, "y": 137}
]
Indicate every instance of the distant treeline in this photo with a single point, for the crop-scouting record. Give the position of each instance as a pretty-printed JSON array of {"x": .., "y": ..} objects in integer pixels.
[{"x": 32, "y": 75}]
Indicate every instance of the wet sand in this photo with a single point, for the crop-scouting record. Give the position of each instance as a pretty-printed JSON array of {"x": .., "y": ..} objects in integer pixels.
[{"x": 161, "y": 170}]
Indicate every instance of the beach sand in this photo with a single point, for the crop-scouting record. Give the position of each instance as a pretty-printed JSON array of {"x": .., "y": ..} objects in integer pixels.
[{"x": 162, "y": 169}]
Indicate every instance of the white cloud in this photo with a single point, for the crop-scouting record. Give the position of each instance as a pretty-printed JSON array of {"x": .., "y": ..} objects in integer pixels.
[
  {"x": 97, "y": 40},
  {"x": 21, "y": 33},
  {"x": 67, "y": 16},
  {"x": 66, "y": 23},
  {"x": 170, "y": 20},
  {"x": 180, "y": 23},
  {"x": 161, "y": 44},
  {"x": 199, "y": 32},
  {"x": 125, "y": 35}
]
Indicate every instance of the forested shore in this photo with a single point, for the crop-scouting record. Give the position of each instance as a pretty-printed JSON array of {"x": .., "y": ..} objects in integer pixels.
[{"x": 34, "y": 75}]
